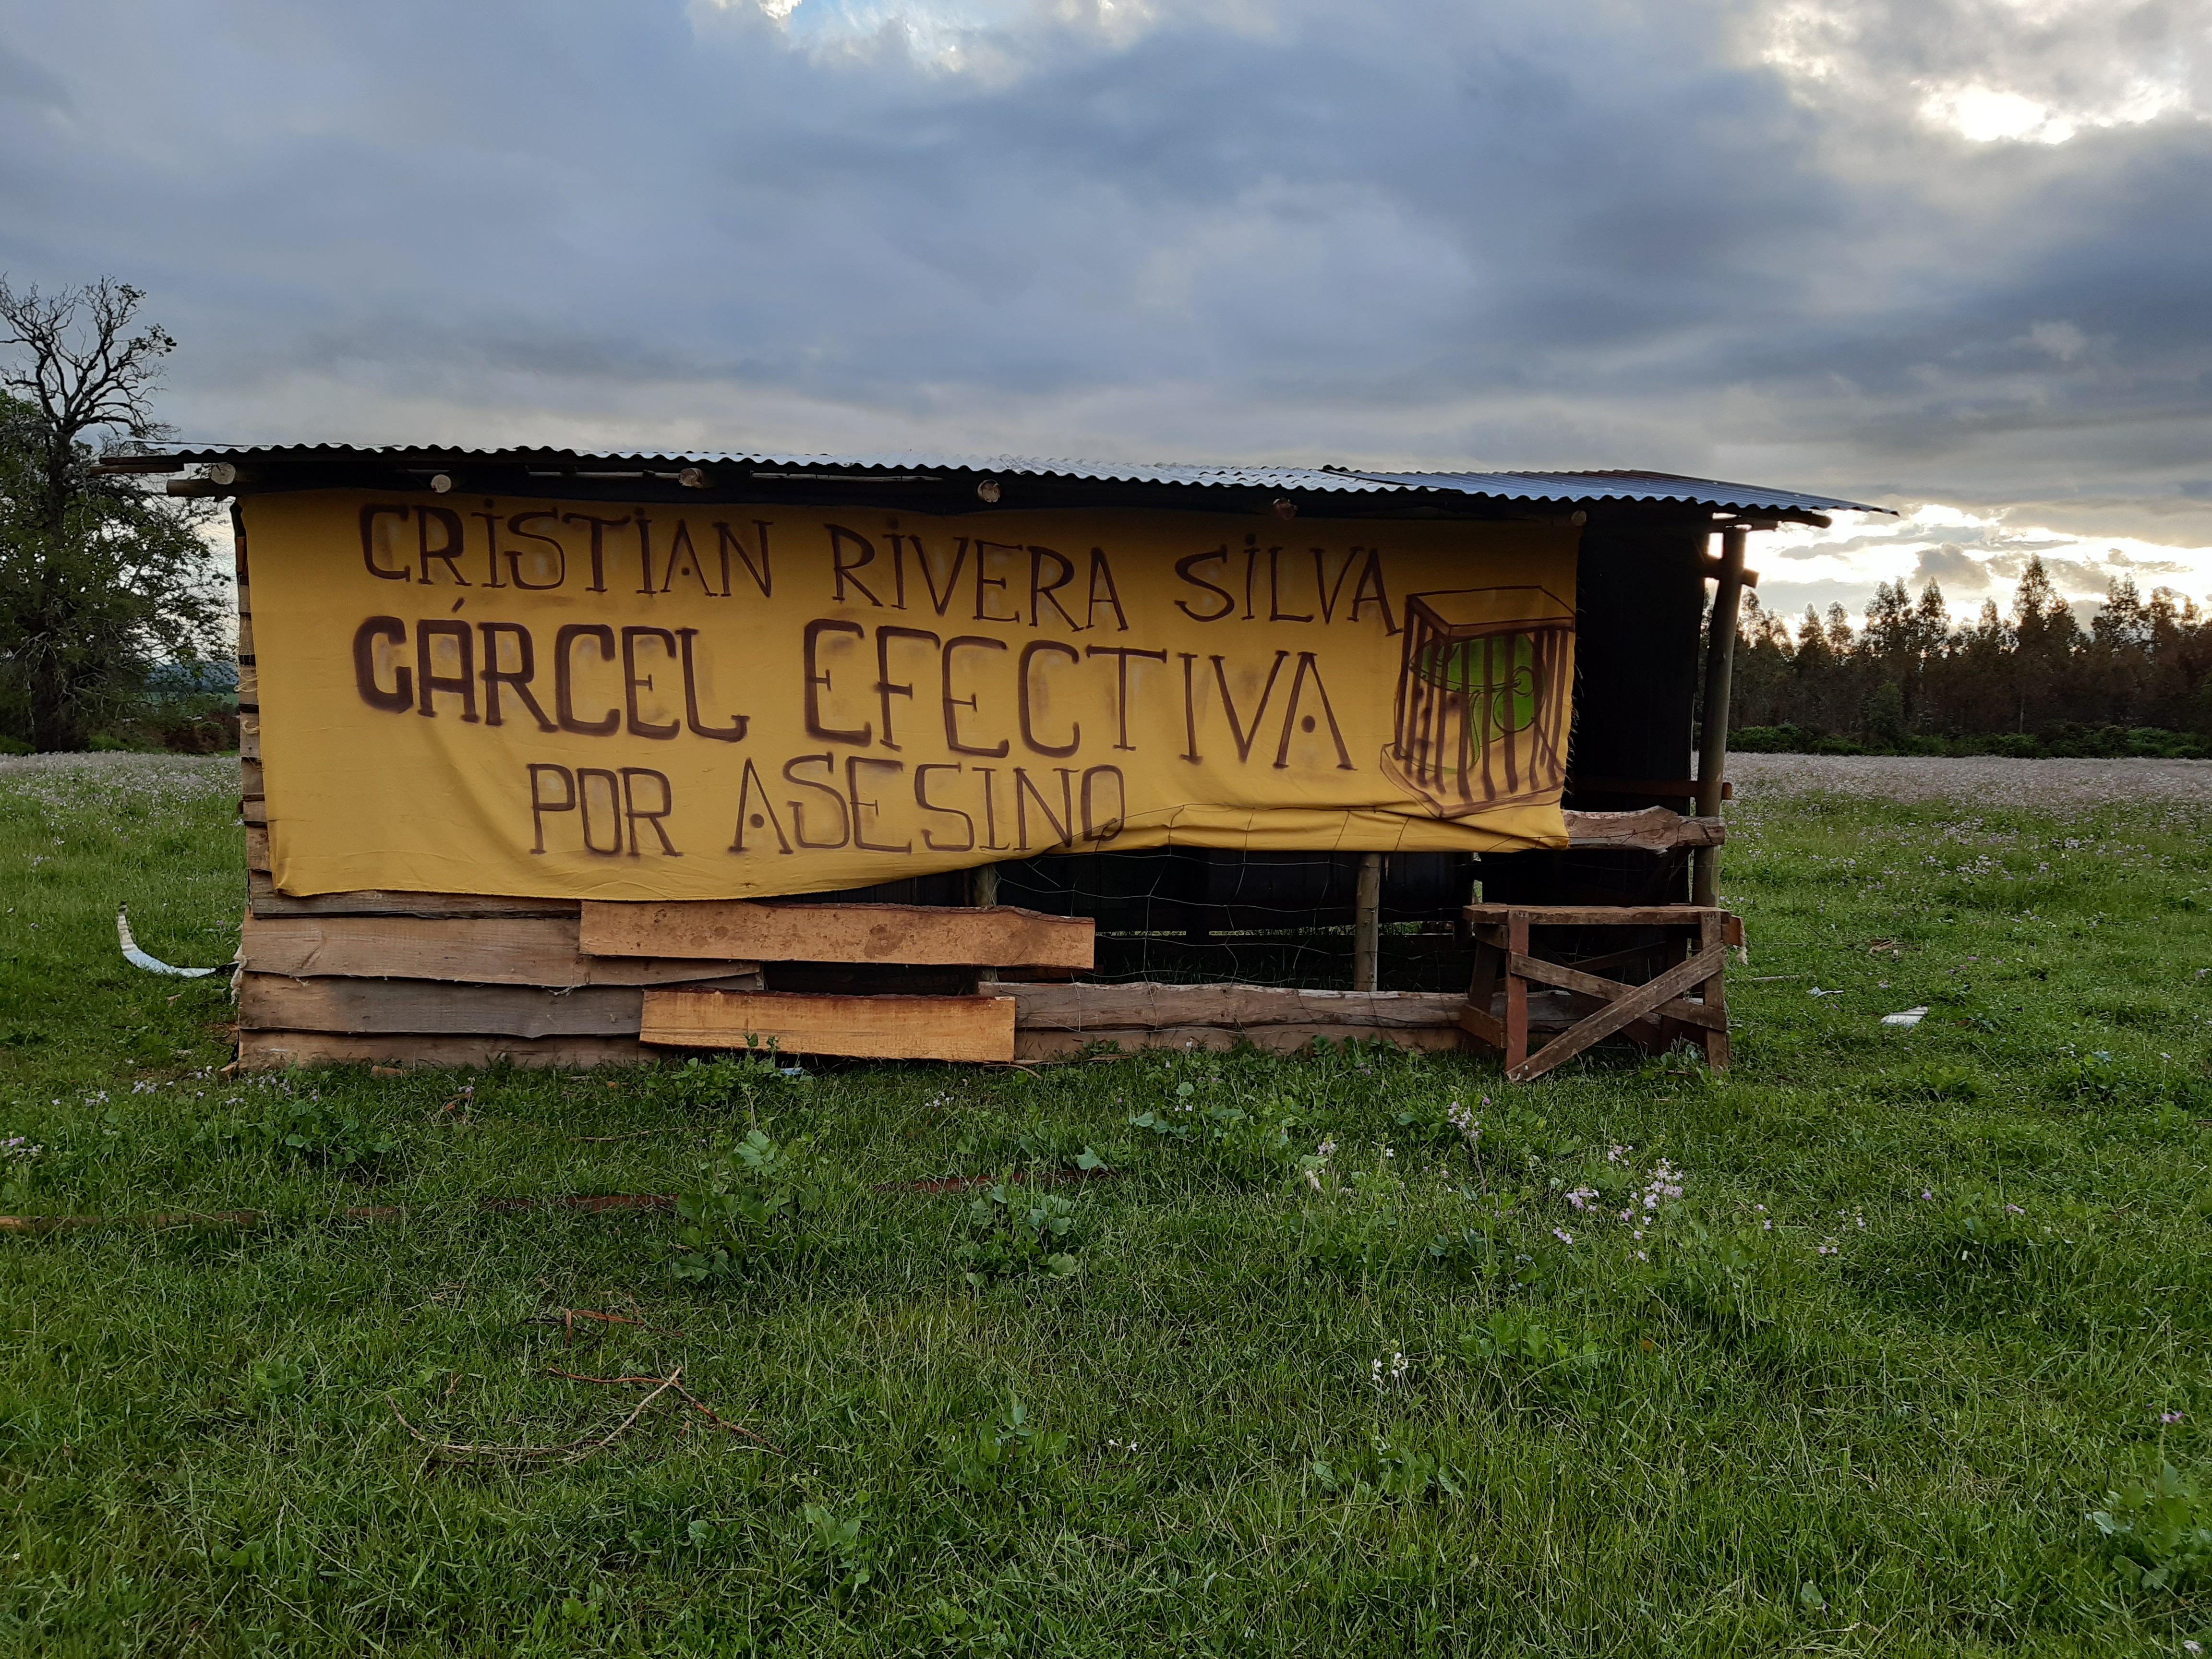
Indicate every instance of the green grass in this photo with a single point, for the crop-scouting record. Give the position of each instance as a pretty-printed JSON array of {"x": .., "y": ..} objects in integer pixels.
[{"x": 1367, "y": 1404}]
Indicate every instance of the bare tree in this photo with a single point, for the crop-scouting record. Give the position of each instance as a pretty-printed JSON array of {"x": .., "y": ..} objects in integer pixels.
[{"x": 98, "y": 578}]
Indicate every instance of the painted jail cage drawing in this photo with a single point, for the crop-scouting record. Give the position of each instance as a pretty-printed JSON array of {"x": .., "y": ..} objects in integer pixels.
[{"x": 1484, "y": 693}]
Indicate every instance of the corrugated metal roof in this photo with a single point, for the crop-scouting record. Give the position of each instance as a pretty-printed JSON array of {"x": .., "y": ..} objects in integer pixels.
[
  {"x": 1548, "y": 487},
  {"x": 1624, "y": 487},
  {"x": 1246, "y": 477}
]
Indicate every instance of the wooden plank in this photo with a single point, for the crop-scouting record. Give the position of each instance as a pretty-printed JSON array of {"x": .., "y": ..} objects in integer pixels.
[
  {"x": 426, "y": 1007},
  {"x": 1606, "y": 990},
  {"x": 1712, "y": 946},
  {"x": 434, "y": 1007},
  {"x": 268, "y": 1051},
  {"x": 1214, "y": 1039},
  {"x": 488, "y": 951},
  {"x": 1483, "y": 1025},
  {"x": 1146, "y": 1005},
  {"x": 859, "y": 1027},
  {"x": 256, "y": 847},
  {"x": 249, "y": 736},
  {"x": 1590, "y": 915},
  {"x": 249, "y": 685},
  {"x": 1517, "y": 995},
  {"x": 1603, "y": 1024},
  {"x": 1653, "y": 829},
  {"x": 262, "y": 894},
  {"x": 252, "y": 783},
  {"x": 918, "y": 935},
  {"x": 252, "y": 809}
]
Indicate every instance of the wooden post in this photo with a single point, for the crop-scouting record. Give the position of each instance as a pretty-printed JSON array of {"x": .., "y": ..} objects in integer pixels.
[
  {"x": 1367, "y": 925},
  {"x": 1720, "y": 667},
  {"x": 1516, "y": 992},
  {"x": 984, "y": 891}
]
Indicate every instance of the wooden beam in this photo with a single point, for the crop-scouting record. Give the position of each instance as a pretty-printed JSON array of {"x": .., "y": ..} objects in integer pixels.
[
  {"x": 1483, "y": 1025},
  {"x": 1713, "y": 719},
  {"x": 1652, "y": 830},
  {"x": 268, "y": 1051},
  {"x": 861, "y": 1027},
  {"x": 1146, "y": 1005},
  {"x": 489, "y": 950},
  {"x": 1367, "y": 924},
  {"x": 261, "y": 892},
  {"x": 434, "y": 1007},
  {"x": 1215, "y": 1039},
  {"x": 918, "y": 935},
  {"x": 257, "y": 847}
]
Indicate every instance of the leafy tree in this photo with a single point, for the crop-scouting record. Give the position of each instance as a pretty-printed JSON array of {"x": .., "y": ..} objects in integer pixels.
[{"x": 100, "y": 580}]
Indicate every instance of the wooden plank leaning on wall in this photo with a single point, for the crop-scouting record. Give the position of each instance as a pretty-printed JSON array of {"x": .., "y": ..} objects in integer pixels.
[{"x": 980, "y": 1028}]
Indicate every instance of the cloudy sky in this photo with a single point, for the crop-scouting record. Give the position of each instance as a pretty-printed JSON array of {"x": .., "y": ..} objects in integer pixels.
[{"x": 1951, "y": 255}]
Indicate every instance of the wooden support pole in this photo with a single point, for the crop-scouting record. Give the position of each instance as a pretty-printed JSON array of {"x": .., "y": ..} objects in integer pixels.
[
  {"x": 983, "y": 893},
  {"x": 1367, "y": 925},
  {"x": 1720, "y": 667}
]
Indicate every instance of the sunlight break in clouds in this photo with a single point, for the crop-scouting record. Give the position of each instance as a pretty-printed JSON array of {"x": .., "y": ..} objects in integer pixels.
[
  {"x": 1974, "y": 556},
  {"x": 2022, "y": 71}
]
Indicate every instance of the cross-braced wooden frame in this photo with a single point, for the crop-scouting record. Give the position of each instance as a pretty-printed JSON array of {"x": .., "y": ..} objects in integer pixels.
[{"x": 1687, "y": 945}]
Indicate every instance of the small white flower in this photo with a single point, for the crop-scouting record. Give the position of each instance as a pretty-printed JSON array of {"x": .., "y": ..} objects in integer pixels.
[{"x": 1563, "y": 1235}]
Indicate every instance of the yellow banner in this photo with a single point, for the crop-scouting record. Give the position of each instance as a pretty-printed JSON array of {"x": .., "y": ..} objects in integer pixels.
[{"x": 600, "y": 701}]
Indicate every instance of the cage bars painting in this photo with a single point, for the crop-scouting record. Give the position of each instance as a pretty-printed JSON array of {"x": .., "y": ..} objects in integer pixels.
[{"x": 1483, "y": 698}]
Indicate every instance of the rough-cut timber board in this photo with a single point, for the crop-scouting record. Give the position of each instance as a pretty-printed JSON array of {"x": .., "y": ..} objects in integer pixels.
[
  {"x": 1653, "y": 829},
  {"x": 489, "y": 951},
  {"x": 257, "y": 847},
  {"x": 1146, "y": 1005},
  {"x": 268, "y": 902},
  {"x": 1269, "y": 1039},
  {"x": 267, "y": 1051},
  {"x": 859, "y": 1027},
  {"x": 431, "y": 1007},
  {"x": 917, "y": 935}
]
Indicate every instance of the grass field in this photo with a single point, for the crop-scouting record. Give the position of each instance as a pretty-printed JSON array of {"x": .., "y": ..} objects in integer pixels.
[{"x": 1293, "y": 1361}]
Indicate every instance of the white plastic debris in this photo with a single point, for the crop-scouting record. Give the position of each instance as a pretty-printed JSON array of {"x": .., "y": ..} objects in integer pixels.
[
  {"x": 1910, "y": 1016},
  {"x": 139, "y": 958},
  {"x": 1817, "y": 992}
]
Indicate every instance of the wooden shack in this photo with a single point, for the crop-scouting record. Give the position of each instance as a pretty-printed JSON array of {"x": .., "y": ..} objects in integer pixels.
[{"x": 578, "y": 759}]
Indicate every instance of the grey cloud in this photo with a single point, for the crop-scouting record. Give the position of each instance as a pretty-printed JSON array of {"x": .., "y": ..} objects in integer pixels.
[
  {"x": 1953, "y": 567},
  {"x": 1558, "y": 233}
]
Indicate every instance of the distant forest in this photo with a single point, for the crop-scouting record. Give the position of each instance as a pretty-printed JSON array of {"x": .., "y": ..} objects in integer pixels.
[{"x": 2137, "y": 680}]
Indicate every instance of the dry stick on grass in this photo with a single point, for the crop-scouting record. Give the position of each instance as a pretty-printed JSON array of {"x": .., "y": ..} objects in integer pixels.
[
  {"x": 567, "y": 1318},
  {"x": 690, "y": 1399},
  {"x": 575, "y": 1451}
]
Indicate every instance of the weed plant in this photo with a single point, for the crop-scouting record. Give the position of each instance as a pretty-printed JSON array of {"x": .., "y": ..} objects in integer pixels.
[{"x": 1889, "y": 1340}]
